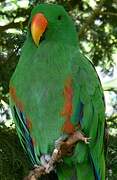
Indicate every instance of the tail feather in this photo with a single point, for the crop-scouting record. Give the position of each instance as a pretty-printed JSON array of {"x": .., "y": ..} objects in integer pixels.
[
  {"x": 67, "y": 172},
  {"x": 85, "y": 171}
]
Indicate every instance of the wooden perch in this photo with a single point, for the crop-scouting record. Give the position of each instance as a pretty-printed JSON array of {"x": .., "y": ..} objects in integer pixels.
[{"x": 65, "y": 148}]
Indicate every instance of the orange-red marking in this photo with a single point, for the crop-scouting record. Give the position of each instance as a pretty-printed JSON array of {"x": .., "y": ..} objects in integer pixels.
[
  {"x": 68, "y": 127},
  {"x": 28, "y": 123},
  {"x": 19, "y": 104},
  {"x": 33, "y": 142}
]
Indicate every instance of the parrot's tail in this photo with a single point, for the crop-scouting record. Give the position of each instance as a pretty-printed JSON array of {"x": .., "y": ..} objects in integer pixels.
[
  {"x": 80, "y": 171},
  {"x": 66, "y": 172}
]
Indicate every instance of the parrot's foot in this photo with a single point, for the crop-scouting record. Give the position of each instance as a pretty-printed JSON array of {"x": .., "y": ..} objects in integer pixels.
[
  {"x": 45, "y": 159},
  {"x": 66, "y": 143},
  {"x": 86, "y": 140},
  {"x": 78, "y": 136},
  {"x": 47, "y": 163},
  {"x": 55, "y": 158},
  {"x": 64, "y": 146}
]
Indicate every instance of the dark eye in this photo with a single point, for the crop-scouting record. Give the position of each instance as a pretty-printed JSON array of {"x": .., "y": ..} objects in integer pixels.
[{"x": 59, "y": 17}]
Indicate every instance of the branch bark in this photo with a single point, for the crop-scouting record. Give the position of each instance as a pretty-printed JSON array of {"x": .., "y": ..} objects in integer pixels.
[
  {"x": 112, "y": 118},
  {"x": 111, "y": 89},
  {"x": 109, "y": 13},
  {"x": 14, "y": 25}
]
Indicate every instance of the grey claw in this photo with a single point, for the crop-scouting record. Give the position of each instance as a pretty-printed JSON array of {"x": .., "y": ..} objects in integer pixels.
[
  {"x": 86, "y": 140},
  {"x": 45, "y": 159}
]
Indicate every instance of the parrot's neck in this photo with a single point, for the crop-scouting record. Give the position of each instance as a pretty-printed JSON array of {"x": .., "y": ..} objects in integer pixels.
[
  {"x": 69, "y": 37},
  {"x": 63, "y": 40}
]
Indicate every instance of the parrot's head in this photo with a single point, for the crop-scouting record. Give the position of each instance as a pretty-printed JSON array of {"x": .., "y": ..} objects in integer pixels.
[{"x": 49, "y": 22}]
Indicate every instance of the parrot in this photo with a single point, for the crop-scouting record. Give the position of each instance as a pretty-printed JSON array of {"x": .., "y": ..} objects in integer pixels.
[{"x": 54, "y": 92}]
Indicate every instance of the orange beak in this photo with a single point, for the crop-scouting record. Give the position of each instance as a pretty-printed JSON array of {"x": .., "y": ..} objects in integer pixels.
[{"x": 38, "y": 27}]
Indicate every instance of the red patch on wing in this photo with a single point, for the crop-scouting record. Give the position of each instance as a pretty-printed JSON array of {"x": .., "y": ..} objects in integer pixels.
[
  {"x": 68, "y": 127},
  {"x": 33, "y": 142},
  {"x": 29, "y": 123},
  {"x": 19, "y": 104}
]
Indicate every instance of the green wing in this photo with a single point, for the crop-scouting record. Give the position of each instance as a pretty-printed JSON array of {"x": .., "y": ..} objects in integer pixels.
[{"x": 92, "y": 121}]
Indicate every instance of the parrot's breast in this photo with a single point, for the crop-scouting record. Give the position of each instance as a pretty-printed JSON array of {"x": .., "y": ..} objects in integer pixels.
[
  {"x": 44, "y": 104},
  {"x": 41, "y": 91}
]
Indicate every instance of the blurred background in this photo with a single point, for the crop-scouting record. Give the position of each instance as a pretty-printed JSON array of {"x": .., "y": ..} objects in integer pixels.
[{"x": 96, "y": 23}]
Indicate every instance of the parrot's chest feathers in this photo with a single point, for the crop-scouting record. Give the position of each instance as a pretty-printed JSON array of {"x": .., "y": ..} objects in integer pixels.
[
  {"x": 46, "y": 94},
  {"x": 49, "y": 95}
]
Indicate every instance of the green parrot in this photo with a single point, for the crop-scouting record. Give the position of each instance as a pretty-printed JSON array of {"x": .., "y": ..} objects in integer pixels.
[{"x": 54, "y": 92}]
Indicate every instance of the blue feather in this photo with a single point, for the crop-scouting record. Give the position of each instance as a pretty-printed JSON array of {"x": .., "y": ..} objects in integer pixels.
[
  {"x": 79, "y": 112},
  {"x": 96, "y": 174},
  {"x": 24, "y": 132}
]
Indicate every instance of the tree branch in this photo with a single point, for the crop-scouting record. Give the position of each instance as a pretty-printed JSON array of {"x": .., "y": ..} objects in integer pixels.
[
  {"x": 112, "y": 118},
  {"x": 111, "y": 89},
  {"x": 20, "y": 12},
  {"x": 91, "y": 19},
  {"x": 14, "y": 25},
  {"x": 109, "y": 13}
]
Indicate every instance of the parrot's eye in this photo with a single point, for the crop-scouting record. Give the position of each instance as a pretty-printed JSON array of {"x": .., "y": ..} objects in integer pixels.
[{"x": 59, "y": 17}]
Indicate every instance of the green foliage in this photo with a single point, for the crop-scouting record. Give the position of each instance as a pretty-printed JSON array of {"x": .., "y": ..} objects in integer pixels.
[
  {"x": 13, "y": 162},
  {"x": 112, "y": 158}
]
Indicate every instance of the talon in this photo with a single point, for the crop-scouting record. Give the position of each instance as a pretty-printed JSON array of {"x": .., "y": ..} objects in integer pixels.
[
  {"x": 45, "y": 159},
  {"x": 86, "y": 140}
]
